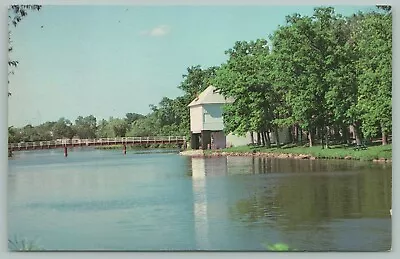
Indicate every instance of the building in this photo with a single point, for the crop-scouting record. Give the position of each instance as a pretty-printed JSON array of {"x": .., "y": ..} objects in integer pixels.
[{"x": 207, "y": 127}]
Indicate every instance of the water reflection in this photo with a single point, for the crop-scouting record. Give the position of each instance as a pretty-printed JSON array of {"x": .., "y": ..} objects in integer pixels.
[
  {"x": 200, "y": 202},
  {"x": 104, "y": 200},
  {"x": 311, "y": 203}
]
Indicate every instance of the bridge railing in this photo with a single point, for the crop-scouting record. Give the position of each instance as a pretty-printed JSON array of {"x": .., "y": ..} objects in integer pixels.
[{"x": 127, "y": 140}]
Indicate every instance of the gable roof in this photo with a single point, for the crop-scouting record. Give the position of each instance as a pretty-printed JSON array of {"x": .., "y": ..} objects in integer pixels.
[{"x": 210, "y": 95}]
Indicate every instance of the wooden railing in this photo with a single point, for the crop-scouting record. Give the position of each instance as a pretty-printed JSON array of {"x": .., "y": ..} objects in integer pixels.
[{"x": 101, "y": 141}]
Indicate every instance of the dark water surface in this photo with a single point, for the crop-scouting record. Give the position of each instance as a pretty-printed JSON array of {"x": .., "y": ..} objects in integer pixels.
[{"x": 102, "y": 200}]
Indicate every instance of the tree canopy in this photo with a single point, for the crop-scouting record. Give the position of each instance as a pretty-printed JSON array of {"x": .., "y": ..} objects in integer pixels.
[
  {"x": 15, "y": 14},
  {"x": 320, "y": 74}
]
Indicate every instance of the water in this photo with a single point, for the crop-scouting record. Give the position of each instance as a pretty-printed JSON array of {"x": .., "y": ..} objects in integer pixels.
[{"x": 102, "y": 200}]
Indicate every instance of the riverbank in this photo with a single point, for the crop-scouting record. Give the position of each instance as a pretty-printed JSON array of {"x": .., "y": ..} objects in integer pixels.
[
  {"x": 372, "y": 153},
  {"x": 138, "y": 147}
]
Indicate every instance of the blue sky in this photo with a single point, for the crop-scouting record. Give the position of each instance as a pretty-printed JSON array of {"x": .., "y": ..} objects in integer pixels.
[{"x": 111, "y": 60}]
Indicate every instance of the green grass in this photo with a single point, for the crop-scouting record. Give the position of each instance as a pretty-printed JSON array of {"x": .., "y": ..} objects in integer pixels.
[
  {"x": 23, "y": 245},
  {"x": 278, "y": 247},
  {"x": 334, "y": 152}
]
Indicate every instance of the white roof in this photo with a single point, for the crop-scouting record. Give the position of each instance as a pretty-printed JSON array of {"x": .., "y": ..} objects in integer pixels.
[{"x": 210, "y": 95}]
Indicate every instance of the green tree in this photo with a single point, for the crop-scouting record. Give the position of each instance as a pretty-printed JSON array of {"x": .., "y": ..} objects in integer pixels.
[
  {"x": 12, "y": 135},
  {"x": 45, "y": 130},
  {"x": 132, "y": 117},
  {"x": 85, "y": 127},
  {"x": 311, "y": 65},
  {"x": 246, "y": 77},
  {"x": 15, "y": 14},
  {"x": 144, "y": 127},
  {"x": 102, "y": 130},
  {"x": 196, "y": 80},
  {"x": 63, "y": 128},
  {"x": 374, "y": 43},
  {"x": 118, "y": 127}
]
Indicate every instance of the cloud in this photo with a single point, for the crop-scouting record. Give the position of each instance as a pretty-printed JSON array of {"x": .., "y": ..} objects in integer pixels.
[{"x": 158, "y": 31}]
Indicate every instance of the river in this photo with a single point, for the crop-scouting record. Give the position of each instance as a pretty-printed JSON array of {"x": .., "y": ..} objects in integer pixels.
[{"x": 103, "y": 200}]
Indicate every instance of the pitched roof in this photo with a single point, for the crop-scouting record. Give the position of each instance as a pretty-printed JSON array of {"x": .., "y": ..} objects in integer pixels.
[{"x": 210, "y": 95}]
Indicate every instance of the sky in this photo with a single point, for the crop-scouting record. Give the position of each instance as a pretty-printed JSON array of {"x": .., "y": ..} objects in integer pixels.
[{"x": 110, "y": 60}]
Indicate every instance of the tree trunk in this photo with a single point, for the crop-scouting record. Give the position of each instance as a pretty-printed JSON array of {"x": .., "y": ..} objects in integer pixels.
[
  {"x": 291, "y": 134},
  {"x": 384, "y": 136},
  {"x": 345, "y": 134},
  {"x": 263, "y": 139},
  {"x": 296, "y": 134},
  {"x": 301, "y": 135},
  {"x": 258, "y": 138},
  {"x": 317, "y": 133},
  {"x": 267, "y": 140},
  {"x": 321, "y": 136},
  {"x": 337, "y": 136},
  {"x": 278, "y": 143},
  {"x": 252, "y": 137},
  {"x": 357, "y": 132},
  {"x": 310, "y": 137},
  {"x": 327, "y": 133}
]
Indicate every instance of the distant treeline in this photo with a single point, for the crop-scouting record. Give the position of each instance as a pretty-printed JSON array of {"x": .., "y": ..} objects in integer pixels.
[{"x": 317, "y": 75}]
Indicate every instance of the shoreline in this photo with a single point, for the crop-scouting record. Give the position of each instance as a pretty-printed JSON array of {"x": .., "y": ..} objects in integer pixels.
[
  {"x": 210, "y": 153},
  {"x": 136, "y": 147}
]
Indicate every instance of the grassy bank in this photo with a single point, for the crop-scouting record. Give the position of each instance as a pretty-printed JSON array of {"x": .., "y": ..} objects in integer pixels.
[
  {"x": 138, "y": 147},
  {"x": 334, "y": 152}
]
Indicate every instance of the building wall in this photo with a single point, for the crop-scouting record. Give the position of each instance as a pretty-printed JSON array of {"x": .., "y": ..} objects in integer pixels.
[
  {"x": 196, "y": 118},
  {"x": 212, "y": 117},
  {"x": 233, "y": 140},
  {"x": 219, "y": 139},
  {"x": 283, "y": 135}
]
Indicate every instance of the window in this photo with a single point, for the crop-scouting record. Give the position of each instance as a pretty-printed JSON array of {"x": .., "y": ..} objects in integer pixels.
[{"x": 205, "y": 113}]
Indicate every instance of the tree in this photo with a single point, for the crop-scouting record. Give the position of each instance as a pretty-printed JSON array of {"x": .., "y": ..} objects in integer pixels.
[
  {"x": 144, "y": 127},
  {"x": 196, "y": 80},
  {"x": 45, "y": 130},
  {"x": 132, "y": 117},
  {"x": 102, "y": 130},
  {"x": 374, "y": 43},
  {"x": 15, "y": 14},
  {"x": 12, "y": 135},
  {"x": 63, "y": 129},
  {"x": 118, "y": 127},
  {"x": 246, "y": 78},
  {"x": 85, "y": 127},
  {"x": 311, "y": 64}
]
